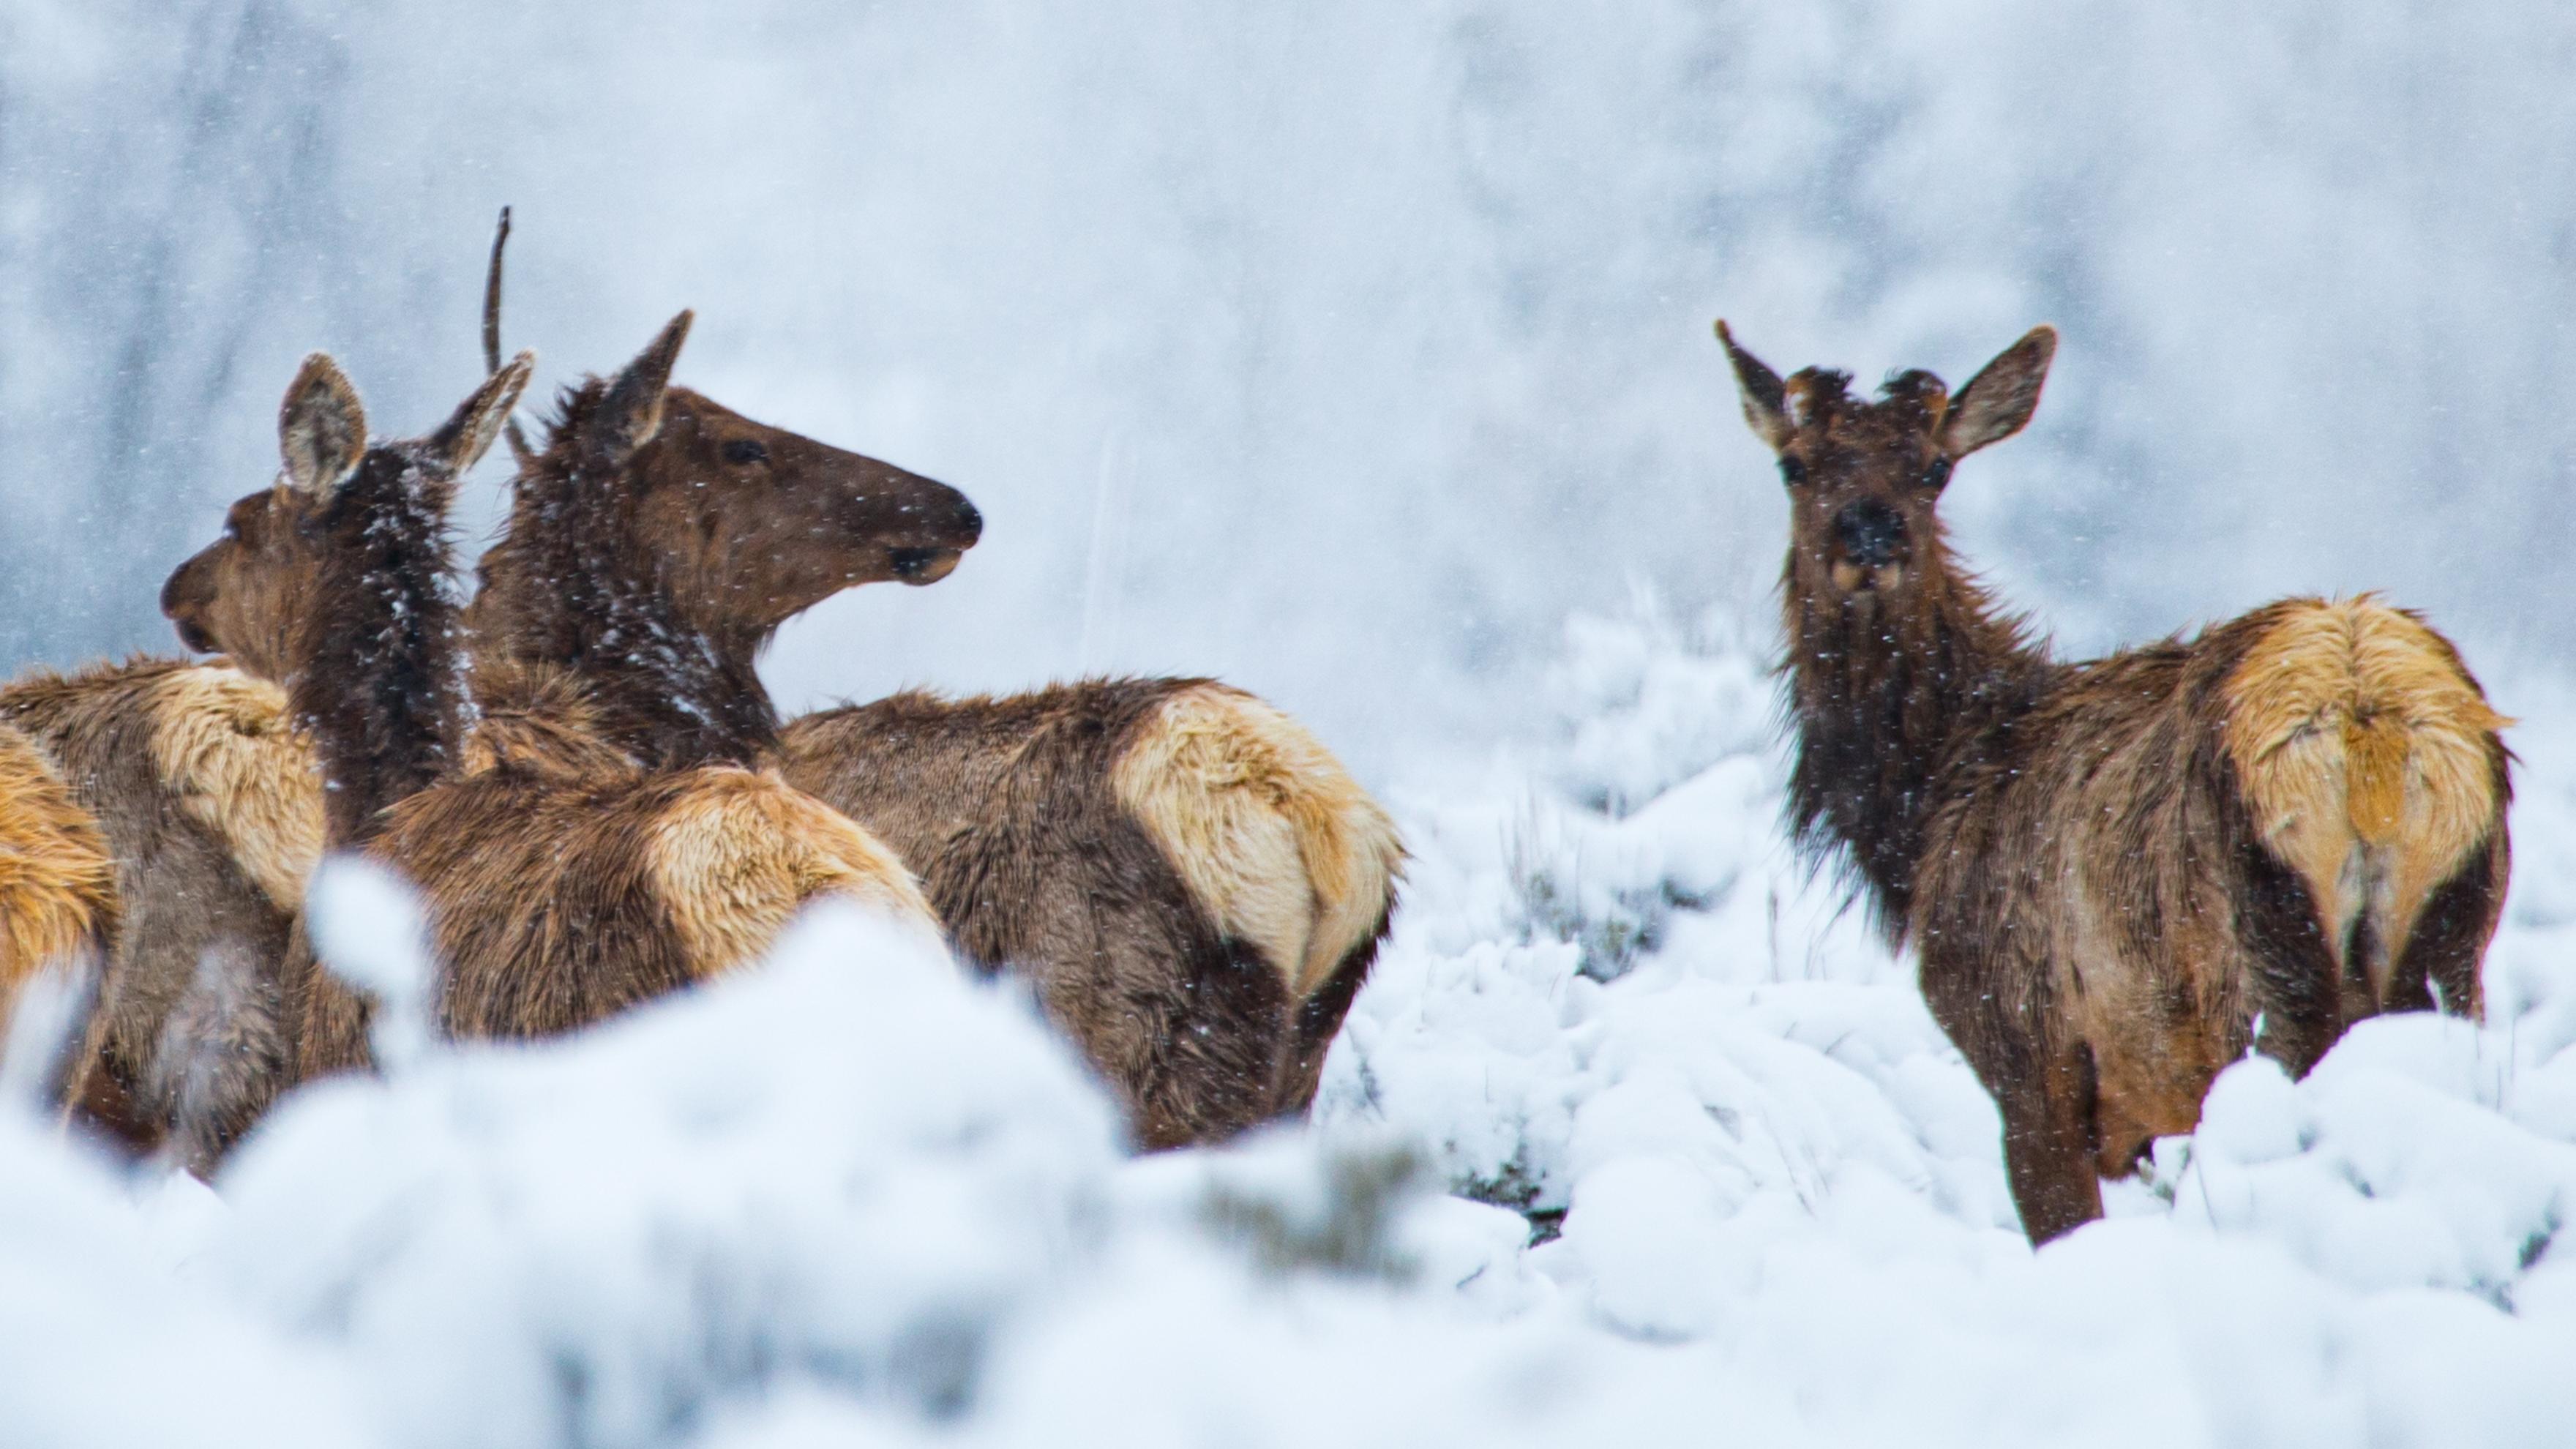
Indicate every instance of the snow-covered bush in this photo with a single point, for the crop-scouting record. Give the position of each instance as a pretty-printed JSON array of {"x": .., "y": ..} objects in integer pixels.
[
  {"x": 1661, "y": 742},
  {"x": 1740, "y": 1189}
]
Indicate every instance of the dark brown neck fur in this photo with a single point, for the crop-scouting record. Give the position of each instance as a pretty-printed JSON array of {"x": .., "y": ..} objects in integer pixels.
[
  {"x": 1887, "y": 693},
  {"x": 376, "y": 677},
  {"x": 572, "y": 587}
]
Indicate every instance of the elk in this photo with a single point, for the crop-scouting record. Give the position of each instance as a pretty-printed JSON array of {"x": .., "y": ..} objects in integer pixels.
[
  {"x": 1192, "y": 883},
  {"x": 557, "y": 895},
  {"x": 2123, "y": 874}
]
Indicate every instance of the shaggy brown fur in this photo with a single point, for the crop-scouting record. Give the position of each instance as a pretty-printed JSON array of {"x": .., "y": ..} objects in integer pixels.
[
  {"x": 555, "y": 897},
  {"x": 1197, "y": 887},
  {"x": 1046, "y": 828},
  {"x": 212, "y": 812},
  {"x": 556, "y": 902},
  {"x": 621, "y": 890},
  {"x": 337, "y": 583},
  {"x": 2120, "y": 875}
]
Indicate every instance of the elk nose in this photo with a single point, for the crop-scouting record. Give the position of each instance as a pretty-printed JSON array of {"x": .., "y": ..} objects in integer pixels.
[
  {"x": 1871, "y": 532},
  {"x": 970, "y": 523},
  {"x": 179, "y": 591}
]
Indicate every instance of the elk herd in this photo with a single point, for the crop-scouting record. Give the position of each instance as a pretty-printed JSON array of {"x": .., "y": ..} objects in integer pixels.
[{"x": 2118, "y": 876}]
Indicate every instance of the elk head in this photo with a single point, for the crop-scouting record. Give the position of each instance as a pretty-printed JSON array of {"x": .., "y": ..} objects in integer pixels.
[
  {"x": 742, "y": 525},
  {"x": 1864, "y": 475},
  {"x": 249, "y": 592}
]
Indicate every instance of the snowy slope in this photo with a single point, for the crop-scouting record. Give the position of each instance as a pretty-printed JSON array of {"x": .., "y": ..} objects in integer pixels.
[{"x": 852, "y": 1199}]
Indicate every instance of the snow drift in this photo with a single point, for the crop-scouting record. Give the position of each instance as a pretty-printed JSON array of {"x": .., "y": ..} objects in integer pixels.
[{"x": 1633, "y": 1138}]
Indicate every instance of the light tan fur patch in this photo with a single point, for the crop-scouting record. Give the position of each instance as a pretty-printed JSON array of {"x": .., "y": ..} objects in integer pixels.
[
  {"x": 1274, "y": 838},
  {"x": 2365, "y": 753},
  {"x": 57, "y": 883},
  {"x": 224, "y": 748},
  {"x": 741, "y": 853}
]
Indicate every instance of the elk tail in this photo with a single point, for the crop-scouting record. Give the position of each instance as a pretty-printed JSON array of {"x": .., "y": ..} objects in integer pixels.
[{"x": 519, "y": 449}]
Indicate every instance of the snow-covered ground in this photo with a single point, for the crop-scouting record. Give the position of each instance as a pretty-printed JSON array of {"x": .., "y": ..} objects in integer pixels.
[{"x": 1633, "y": 1139}]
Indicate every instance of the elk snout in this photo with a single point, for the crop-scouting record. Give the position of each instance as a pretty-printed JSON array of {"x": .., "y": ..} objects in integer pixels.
[
  {"x": 1872, "y": 540},
  {"x": 967, "y": 526},
  {"x": 1872, "y": 534},
  {"x": 954, "y": 525},
  {"x": 183, "y": 598}
]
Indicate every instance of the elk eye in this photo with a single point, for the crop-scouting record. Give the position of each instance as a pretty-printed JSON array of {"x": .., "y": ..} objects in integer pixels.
[
  {"x": 1793, "y": 471},
  {"x": 746, "y": 450},
  {"x": 1937, "y": 476}
]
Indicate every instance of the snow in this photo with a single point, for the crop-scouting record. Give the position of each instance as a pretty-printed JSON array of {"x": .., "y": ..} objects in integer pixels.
[{"x": 1635, "y": 1137}]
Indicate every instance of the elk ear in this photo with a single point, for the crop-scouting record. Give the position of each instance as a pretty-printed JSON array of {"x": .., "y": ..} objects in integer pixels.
[
  {"x": 1766, "y": 402},
  {"x": 632, "y": 412},
  {"x": 461, "y": 441},
  {"x": 321, "y": 429},
  {"x": 1999, "y": 400}
]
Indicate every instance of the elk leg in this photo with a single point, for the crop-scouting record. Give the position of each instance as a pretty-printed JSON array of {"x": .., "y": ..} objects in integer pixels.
[
  {"x": 2449, "y": 939},
  {"x": 1318, "y": 1022},
  {"x": 1211, "y": 1075},
  {"x": 2303, "y": 998},
  {"x": 1186, "y": 1025},
  {"x": 2050, "y": 1146}
]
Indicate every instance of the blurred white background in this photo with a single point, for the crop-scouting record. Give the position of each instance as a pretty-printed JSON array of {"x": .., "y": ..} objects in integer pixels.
[{"x": 1338, "y": 349}]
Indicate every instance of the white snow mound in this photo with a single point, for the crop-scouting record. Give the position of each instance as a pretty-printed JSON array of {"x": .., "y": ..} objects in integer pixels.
[{"x": 1635, "y": 1137}]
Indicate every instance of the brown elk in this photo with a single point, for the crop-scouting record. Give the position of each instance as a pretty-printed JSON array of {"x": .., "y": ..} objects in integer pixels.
[
  {"x": 2118, "y": 875},
  {"x": 555, "y": 896},
  {"x": 1193, "y": 884}
]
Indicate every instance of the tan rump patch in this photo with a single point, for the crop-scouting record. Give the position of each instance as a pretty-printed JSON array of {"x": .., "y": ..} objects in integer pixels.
[
  {"x": 2367, "y": 756},
  {"x": 57, "y": 883},
  {"x": 1276, "y": 841},
  {"x": 738, "y": 855},
  {"x": 224, "y": 748}
]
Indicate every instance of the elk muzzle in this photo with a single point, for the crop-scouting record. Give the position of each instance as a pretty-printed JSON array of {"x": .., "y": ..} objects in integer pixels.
[
  {"x": 1871, "y": 540},
  {"x": 184, "y": 599},
  {"x": 928, "y": 563}
]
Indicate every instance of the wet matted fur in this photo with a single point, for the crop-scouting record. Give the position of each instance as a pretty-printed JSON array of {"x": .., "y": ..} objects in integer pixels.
[
  {"x": 2113, "y": 872},
  {"x": 211, "y": 807}
]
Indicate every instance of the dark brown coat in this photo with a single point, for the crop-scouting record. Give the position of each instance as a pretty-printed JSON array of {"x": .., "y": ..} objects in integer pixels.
[{"x": 2121, "y": 875}]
